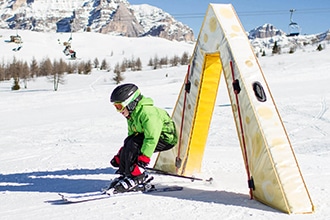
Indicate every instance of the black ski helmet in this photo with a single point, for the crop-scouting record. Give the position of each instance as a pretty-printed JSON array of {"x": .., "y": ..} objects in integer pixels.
[{"x": 126, "y": 94}]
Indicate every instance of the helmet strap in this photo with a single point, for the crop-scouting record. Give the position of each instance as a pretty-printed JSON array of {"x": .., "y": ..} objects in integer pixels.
[{"x": 131, "y": 106}]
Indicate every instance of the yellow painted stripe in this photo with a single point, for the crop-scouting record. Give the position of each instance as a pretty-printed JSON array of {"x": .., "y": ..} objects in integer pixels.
[{"x": 208, "y": 88}]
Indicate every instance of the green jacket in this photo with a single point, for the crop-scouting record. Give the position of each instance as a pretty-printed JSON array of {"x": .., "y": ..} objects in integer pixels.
[{"x": 154, "y": 123}]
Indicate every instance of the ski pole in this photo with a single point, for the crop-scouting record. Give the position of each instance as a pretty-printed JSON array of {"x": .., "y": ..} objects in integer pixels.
[{"x": 161, "y": 172}]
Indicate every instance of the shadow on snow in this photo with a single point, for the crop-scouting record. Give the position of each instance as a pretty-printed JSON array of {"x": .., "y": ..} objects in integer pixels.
[
  {"x": 65, "y": 181},
  {"x": 219, "y": 197},
  {"x": 73, "y": 181}
]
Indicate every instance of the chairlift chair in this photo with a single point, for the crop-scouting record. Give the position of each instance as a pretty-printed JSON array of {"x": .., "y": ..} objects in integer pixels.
[{"x": 294, "y": 28}]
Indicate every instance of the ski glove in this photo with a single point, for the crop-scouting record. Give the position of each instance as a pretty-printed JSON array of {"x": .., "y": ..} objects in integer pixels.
[
  {"x": 138, "y": 168},
  {"x": 115, "y": 161},
  {"x": 143, "y": 160}
]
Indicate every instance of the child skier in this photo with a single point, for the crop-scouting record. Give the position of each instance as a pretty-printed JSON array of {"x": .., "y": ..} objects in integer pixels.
[{"x": 150, "y": 129}]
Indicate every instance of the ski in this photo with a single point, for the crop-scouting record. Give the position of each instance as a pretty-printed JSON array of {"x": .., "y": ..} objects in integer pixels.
[
  {"x": 17, "y": 48},
  {"x": 72, "y": 58},
  {"x": 67, "y": 198}
]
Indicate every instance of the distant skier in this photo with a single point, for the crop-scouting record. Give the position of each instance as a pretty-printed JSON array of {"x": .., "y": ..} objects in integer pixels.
[{"x": 150, "y": 129}]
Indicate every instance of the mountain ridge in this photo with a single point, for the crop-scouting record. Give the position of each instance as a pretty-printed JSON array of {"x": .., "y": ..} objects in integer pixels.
[
  {"x": 265, "y": 36},
  {"x": 116, "y": 17},
  {"x": 119, "y": 17}
]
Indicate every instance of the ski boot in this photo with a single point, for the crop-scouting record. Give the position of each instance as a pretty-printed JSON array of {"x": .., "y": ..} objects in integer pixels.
[
  {"x": 134, "y": 184},
  {"x": 113, "y": 183}
]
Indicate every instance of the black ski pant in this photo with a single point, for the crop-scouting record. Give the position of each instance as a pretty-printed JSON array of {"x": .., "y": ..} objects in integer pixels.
[{"x": 132, "y": 149}]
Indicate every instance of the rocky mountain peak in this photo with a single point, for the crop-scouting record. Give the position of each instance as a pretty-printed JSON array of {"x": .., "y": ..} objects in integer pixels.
[
  {"x": 115, "y": 17},
  {"x": 265, "y": 31}
]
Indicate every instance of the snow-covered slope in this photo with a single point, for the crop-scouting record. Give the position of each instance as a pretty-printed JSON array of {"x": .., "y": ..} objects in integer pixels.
[
  {"x": 62, "y": 141},
  {"x": 89, "y": 46}
]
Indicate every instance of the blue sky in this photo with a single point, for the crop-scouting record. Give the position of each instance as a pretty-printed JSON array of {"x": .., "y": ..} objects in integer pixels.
[{"x": 312, "y": 16}]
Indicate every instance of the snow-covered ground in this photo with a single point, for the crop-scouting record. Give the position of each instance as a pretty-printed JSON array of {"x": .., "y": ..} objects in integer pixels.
[{"x": 61, "y": 142}]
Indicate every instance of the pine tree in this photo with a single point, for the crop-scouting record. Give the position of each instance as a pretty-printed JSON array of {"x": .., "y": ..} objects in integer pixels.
[
  {"x": 163, "y": 61},
  {"x": 184, "y": 59},
  {"x": 34, "y": 68},
  {"x": 156, "y": 62},
  {"x": 319, "y": 47},
  {"x": 46, "y": 67},
  {"x": 175, "y": 60},
  {"x": 104, "y": 65},
  {"x": 150, "y": 63},
  {"x": 2, "y": 72},
  {"x": 57, "y": 73},
  {"x": 26, "y": 74},
  {"x": 96, "y": 63},
  {"x": 276, "y": 48},
  {"x": 138, "y": 64},
  {"x": 88, "y": 67},
  {"x": 123, "y": 66},
  {"x": 118, "y": 78},
  {"x": 16, "y": 85},
  {"x": 14, "y": 69}
]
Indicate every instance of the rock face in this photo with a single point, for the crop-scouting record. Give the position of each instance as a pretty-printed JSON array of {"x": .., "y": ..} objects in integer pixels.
[
  {"x": 124, "y": 22},
  {"x": 266, "y": 35},
  {"x": 116, "y": 17},
  {"x": 18, "y": 4},
  {"x": 265, "y": 31}
]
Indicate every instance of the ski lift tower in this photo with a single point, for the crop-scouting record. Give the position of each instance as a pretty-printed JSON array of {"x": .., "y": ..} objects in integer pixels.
[{"x": 294, "y": 29}]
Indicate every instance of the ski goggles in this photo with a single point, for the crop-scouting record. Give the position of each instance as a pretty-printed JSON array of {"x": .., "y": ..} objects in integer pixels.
[{"x": 119, "y": 106}]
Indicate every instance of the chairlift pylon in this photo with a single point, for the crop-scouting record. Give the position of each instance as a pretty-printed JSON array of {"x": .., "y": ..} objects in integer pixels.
[{"x": 294, "y": 28}]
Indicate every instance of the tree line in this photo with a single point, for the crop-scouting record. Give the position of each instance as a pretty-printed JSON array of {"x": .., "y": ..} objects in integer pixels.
[{"x": 22, "y": 71}]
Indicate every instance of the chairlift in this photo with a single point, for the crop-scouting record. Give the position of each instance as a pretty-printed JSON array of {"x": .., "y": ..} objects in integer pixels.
[
  {"x": 294, "y": 28},
  {"x": 17, "y": 39},
  {"x": 68, "y": 51}
]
